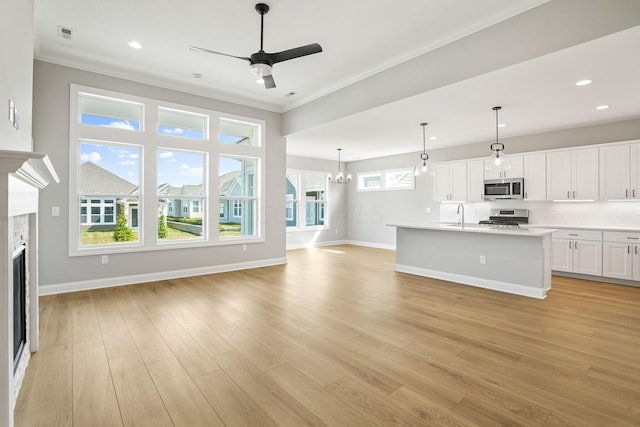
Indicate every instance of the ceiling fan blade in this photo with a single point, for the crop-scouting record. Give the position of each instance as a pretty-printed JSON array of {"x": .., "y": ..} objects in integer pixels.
[
  {"x": 201, "y": 49},
  {"x": 269, "y": 83},
  {"x": 296, "y": 52}
]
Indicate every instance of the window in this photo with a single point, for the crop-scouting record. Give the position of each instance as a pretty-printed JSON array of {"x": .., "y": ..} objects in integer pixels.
[
  {"x": 113, "y": 140},
  {"x": 182, "y": 124},
  {"x": 311, "y": 214},
  {"x": 238, "y": 132},
  {"x": 108, "y": 174},
  {"x": 395, "y": 179},
  {"x": 237, "y": 208},
  {"x": 103, "y": 111},
  {"x": 237, "y": 191},
  {"x": 369, "y": 181}
]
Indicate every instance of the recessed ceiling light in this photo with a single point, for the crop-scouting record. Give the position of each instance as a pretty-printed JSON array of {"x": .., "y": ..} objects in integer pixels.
[
  {"x": 583, "y": 82},
  {"x": 290, "y": 94},
  {"x": 502, "y": 125},
  {"x": 197, "y": 75},
  {"x": 602, "y": 107},
  {"x": 135, "y": 45},
  {"x": 433, "y": 138}
]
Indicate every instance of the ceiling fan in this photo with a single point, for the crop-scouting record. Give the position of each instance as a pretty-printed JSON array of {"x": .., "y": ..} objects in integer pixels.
[{"x": 261, "y": 62}]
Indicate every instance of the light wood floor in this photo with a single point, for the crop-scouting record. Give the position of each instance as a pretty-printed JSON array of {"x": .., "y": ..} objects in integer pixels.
[{"x": 335, "y": 337}]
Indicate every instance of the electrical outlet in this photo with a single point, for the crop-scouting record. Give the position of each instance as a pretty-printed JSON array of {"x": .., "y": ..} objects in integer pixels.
[
  {"x": 105, "y": 259},
  {"x": 427, "y": 210},
  {"x": 483, "y": 259},
  {"x": 55, "y": 211}
]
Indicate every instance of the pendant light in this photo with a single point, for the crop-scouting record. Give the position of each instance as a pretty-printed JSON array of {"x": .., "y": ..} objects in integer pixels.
[
  {"x": 425, "y": 166},
  {"x": 497, "y": 161},
  {"x": 341, "y": 177}
]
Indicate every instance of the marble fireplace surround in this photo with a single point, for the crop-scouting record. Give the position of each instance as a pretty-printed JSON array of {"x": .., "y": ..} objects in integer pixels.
[{"x": 22, "y": 175}]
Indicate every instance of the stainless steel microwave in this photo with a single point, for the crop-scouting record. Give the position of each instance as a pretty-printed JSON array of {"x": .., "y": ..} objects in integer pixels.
[{"x": 497, "y": 189}]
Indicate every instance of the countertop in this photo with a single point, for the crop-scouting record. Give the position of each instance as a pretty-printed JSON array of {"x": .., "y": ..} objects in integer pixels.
[{"x": 475, "y": 228}]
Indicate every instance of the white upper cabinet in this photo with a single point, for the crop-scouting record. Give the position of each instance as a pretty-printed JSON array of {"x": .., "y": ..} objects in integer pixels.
[
  {"x": 572, "y": 174},
  {"x": 475, "y": 180},
  {"x": 516, "y": 170},
  {"x": 619, "y": 172},
  {"x": 450, "y": 181},
  {"x": 535, "y": 176}
]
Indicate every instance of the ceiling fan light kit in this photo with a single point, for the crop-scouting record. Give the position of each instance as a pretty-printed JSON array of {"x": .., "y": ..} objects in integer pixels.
[{"x": 261, "y": 62}]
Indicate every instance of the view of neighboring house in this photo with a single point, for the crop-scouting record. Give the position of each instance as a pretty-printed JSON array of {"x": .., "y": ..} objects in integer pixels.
[
  {"x": 176, "y": 205},
  {"x": 99, "y": 212},
  {"x": 230, "y": 185}
]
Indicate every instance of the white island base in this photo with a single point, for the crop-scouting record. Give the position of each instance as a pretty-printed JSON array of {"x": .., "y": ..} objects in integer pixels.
[{"x": 513, "y": 261}]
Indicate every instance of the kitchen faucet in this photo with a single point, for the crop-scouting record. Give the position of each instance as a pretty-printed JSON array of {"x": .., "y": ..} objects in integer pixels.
[{"x": 461, "y": 206}]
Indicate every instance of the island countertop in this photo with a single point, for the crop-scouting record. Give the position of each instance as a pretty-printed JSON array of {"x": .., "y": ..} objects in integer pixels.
[{"x": 475, "y": 228}]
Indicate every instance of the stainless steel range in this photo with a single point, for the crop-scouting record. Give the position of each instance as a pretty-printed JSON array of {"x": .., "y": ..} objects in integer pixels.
[{"x": 506, "y": 218}]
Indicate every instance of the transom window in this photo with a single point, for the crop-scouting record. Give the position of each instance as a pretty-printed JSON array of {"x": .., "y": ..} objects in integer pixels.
[
  {"x": 393, "y": 179},
  {"x": 118, "y": 140}
]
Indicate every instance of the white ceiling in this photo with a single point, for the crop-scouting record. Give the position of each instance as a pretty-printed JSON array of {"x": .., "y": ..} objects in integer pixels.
[{"x": 359, "y": 39}]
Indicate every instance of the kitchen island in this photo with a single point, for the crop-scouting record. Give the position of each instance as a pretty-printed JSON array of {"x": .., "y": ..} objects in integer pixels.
[{"x": 516, "y": 261}]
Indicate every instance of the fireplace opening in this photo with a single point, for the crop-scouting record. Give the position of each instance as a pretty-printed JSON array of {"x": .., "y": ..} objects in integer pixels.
[{"x": 19, "y": 304}]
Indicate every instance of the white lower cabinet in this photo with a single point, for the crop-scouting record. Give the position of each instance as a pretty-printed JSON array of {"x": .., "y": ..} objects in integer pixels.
[
  {"x": 621, "y": 255},
  {"x": 577, "y": 251}
]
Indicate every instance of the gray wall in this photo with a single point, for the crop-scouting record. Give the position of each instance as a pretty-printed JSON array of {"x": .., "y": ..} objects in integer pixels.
[
  {"x": 369, "y": 212},
  {"x": 337, "y": 202},
  {"x": 51, "y": 134}
]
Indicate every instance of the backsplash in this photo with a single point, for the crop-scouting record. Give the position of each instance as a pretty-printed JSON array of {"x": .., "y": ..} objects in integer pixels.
[{"x": 593, "y": 214}]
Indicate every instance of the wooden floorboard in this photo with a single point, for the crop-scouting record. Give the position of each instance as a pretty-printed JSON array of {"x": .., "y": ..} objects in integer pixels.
[{"x": 335, "y": 337}]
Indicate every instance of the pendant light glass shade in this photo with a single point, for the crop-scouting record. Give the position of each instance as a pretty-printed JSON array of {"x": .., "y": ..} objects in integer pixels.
[
  {"x": 497, "y": 160},
  {"x": 424, "y": 167},
  {"x": 340, "y": 177}
]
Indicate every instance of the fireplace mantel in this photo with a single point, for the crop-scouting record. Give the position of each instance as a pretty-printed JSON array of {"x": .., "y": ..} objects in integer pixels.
[
  {"x": 31, "y": 167},
  {"x": 22, "y": 175}
]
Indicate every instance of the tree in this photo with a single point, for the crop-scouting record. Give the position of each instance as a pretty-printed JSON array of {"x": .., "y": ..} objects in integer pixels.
[
  {"x": 122, "y": 233},
  {"x": 162, "y": 228}
]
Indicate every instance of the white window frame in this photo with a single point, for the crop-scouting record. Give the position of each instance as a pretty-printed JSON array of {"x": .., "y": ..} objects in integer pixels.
[
  {"x": 150, "y": 141},
  {"x": 301, "y": 202},
  {"x": 384, "y": 175}
]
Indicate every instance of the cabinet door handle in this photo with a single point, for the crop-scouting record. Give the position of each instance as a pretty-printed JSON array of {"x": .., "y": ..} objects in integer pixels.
[
  {"x": 629, "y": 249},
  {"x": 525, "y": 195},
  {"x": 568, "y": 194},
  {"x": 636, "y": 249},
  {"x": 575, "y": 245},
  {"x": 633, "y": 192},
  {"x": 633, "y": 238},
  {"x": 570, "y": 242},
  {"x": 573, "y": 234},
  {"x": 574, "y": 194},
  {"x": 626, "y": 193}
]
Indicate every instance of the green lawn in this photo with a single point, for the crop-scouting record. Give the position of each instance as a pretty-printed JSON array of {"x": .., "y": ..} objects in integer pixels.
[
  {"x": 229, "y": 230},
  {"x": 106, "y": 237}
]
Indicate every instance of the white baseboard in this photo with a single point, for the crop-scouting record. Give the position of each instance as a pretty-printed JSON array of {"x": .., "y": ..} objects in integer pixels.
[
  {"x": 495, "y": 285},
  {"x": 316, "y": 244},
  {"x": 371, "y": 245},
  {"x": 85, "y": 285}
]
